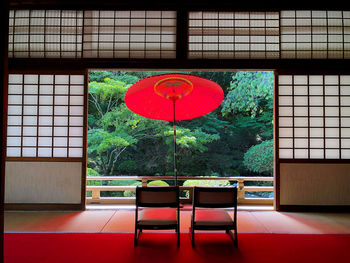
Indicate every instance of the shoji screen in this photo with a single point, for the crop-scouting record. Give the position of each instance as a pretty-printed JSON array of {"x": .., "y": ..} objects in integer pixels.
[
  {"x": 233, "y": 35},
  {"x": 288, "y": 34},
  {"x": 313, "y": 140},
  {"x": 314, "y": 116},
  {"x": 45, "y": 161},
  {"x": 45, "y": 33},
  {"x": 315, "y": 34},
  {"x": 45, "y": 115},
  {"x": 129, "y": 34},
  {"x": 92, "y": 34}
]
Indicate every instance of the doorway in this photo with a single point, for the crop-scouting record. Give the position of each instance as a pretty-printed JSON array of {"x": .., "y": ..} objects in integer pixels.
[{"x": 231, "y": 145}]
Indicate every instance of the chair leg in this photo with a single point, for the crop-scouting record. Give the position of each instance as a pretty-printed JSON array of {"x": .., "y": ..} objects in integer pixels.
[
  {"x": 135, "y": 237},
  {"x": 192, "y": 237},
  {"x": 178, "y": 237},
  {"x": 234, "y": 238}
]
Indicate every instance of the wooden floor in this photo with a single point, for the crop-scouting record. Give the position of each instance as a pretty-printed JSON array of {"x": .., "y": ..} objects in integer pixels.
[{"x": 121, "y": 220}]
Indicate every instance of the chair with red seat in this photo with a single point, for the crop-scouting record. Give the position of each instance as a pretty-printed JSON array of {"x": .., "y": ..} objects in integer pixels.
[
  {"x": 157, "y": 208},
  {"x": 208, "y": 211}
]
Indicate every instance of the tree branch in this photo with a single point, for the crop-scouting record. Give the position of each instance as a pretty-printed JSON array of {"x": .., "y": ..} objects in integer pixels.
[
  {"x": 103, "y": 164},
  {"x": 109, "y": 103},
  {"x": 110, "y": 157},
  {"x": 98, "y": 107},
  {"x": 116, "y": 158}
]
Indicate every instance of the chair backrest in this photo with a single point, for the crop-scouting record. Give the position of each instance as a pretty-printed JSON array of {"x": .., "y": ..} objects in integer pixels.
[
  {"x": 215, "y": 197},
  {"x": 157, "y": 196}
]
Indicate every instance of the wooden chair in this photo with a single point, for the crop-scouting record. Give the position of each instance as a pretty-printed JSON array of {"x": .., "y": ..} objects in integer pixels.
[
  {"x": 160, "y": 209},
  {"x": 210, "y": 215}
]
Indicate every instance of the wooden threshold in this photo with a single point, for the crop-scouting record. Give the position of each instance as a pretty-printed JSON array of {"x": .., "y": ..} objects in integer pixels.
[
  {"x": 315, "y": 208},
  {"x": 43, "y": 207}
]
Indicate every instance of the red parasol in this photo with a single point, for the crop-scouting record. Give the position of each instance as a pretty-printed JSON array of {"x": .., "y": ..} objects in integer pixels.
[{"x": 173, "y": 97}]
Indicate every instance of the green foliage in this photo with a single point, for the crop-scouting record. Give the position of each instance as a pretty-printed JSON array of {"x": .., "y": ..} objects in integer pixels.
[
  {"x": 101, "y": 140},
  {"x": 131, "y": 193},
  {"x": 92, "y": 172},
  {"x": 195, "y": 139},
  {"x": 211, "y": 123},
  {"x": 157, "y": 183},
  {"x": 206, "y": 183},
  {"x": 223, "y": 78},
  {"x": 107, "y": 89},
  {"x": 127, "y": 166},
  {"x": 211, "y": 183},
  {"x": 113, "y": 127},
  {"x": 259, "y": 158},
  {"x": 103, "y": 96},
  {"x": 100, "y": 76},
  {"x": 123, "y": 143},
  {"x": 250, "y": 93}
]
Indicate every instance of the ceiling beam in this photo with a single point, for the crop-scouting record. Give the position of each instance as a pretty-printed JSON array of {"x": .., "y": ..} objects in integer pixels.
[
  {"x": 304, "y": 66},
  {"x": 223, "y": 5}
]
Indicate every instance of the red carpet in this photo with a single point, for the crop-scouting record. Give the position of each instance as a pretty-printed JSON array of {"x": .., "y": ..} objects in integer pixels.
[{"x": 161, "y": 247}]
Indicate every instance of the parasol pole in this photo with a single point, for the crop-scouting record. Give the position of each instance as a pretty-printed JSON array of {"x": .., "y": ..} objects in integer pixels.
[{"x": 174, "y": 125}]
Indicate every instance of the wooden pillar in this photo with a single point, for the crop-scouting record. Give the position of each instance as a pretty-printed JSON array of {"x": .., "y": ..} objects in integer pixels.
[
  {"x": 240, "y": 189},
  {"x": 4, "y": 75},
  {"x": 95, "y": 195}
]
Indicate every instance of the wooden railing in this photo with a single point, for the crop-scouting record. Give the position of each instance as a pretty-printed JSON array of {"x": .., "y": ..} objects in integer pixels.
[{"x": 242, "y": 189}]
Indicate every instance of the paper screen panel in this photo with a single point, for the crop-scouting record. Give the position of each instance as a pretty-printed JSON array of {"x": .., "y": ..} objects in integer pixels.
[
  {"x": 233, "y": 35},
  {"x": 44, "y": 116},
  {"x": 314, "y": 116},
  {"x": 314, "y": 34},
  {"x": 129, "y": 34},
  {"x": 45, "y": 33}
]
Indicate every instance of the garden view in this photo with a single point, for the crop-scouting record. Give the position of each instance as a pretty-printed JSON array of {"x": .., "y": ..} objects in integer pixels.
[{"x": 234, "y": 140}]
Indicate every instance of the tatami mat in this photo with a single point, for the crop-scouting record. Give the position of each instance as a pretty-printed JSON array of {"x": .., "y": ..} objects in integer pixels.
[
  {"x": 85, "y": 221},
  {"x": 122, "y": 221}
]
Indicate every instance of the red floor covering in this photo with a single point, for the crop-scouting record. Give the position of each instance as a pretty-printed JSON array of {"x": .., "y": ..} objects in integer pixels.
[{"x": 161, "y": 247}]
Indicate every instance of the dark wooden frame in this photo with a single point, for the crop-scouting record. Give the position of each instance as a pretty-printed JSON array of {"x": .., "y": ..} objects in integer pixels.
[
  {"x": 197, "y": 204},
  {"x": 139, "y": 228}
]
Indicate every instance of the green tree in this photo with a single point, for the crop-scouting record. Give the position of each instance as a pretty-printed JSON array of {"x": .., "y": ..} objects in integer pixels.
[
  {"x": 114, "y": 131},
  {"x": 259, "y": 158},
  {"x": 248, "y": 107},
  {"x": 250, "y": 93},
  {"x": 114, "y": 127},
  {"x": 104, "y": 96},
  {"x": 121, "y": 142}
]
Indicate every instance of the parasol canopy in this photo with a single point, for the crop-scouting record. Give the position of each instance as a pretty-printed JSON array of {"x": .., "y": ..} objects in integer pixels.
[{"x": 154, "y": 97}]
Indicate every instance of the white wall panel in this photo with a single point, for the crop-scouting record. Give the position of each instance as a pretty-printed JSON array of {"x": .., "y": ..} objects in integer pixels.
[
  {"x": 43, "y": 182},
  {"x": 314, "y": 184}
]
